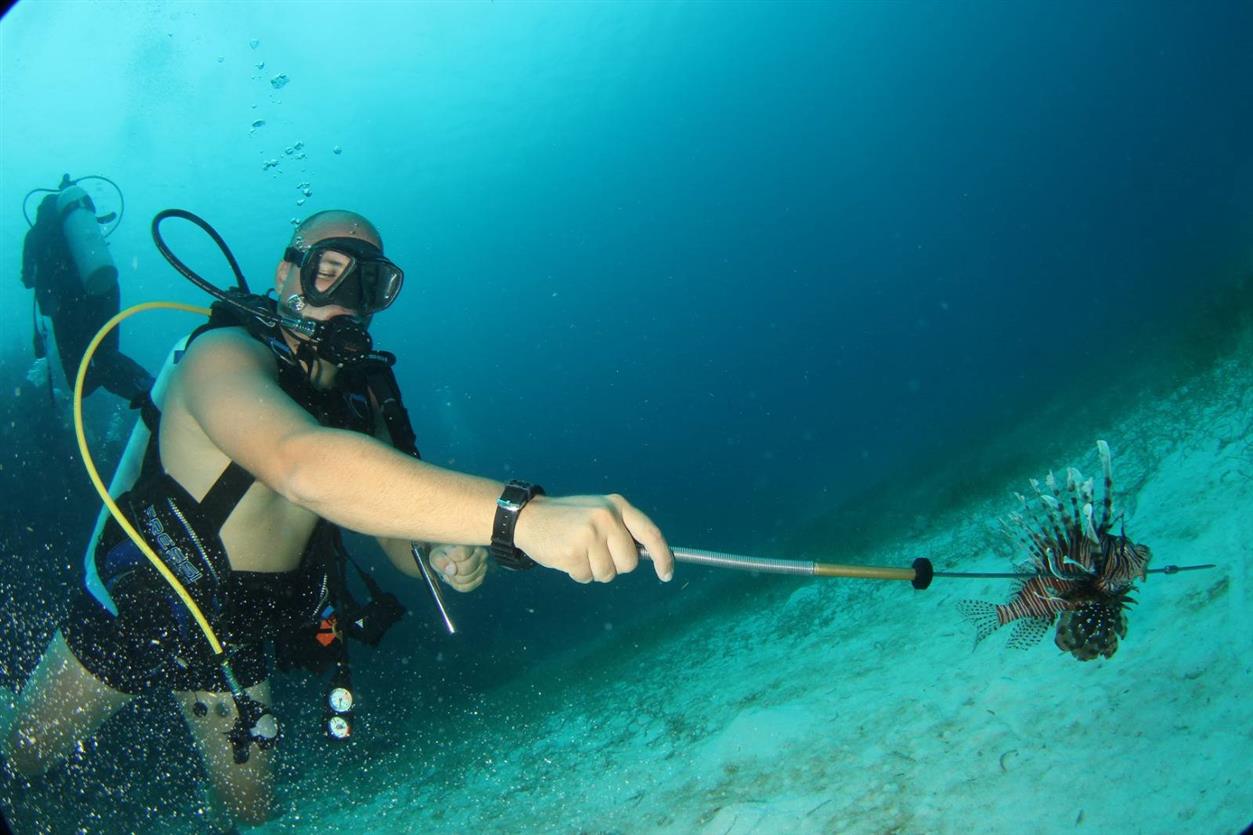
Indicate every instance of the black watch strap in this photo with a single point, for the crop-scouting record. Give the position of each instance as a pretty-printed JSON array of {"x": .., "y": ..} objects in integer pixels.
[{"x": 515, "y": 496}]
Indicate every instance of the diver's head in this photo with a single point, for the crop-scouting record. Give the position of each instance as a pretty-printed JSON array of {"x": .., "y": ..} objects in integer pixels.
[{"x": 334, "y": 266}]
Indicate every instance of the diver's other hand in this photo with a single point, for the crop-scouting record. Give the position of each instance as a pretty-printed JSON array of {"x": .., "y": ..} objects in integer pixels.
[
  {"x": 590, "y": 537},
  {"x": 461, "y": 566}
]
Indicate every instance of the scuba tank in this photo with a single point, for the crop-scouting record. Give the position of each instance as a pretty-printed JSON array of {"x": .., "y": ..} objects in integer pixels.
[
  {"x": 85, "y": 242},
  {"x": 75, "y": 213}
]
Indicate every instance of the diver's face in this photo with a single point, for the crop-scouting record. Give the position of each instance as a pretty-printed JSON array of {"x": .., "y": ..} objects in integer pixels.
[
  {"x": 288, "y": 285},
  {"x": 331, "y": 266}
]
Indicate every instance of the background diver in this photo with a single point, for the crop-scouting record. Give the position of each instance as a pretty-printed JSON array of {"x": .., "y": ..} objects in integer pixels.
[
  {"x": 262, "y": 448},
  {"x": 66, "y": 261}
]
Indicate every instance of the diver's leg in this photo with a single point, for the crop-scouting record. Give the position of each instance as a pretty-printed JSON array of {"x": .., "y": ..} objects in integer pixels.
[
  {"x": 75, "y": 324},
  {"x": 246, "y": 789},
  {"x": 120, "y": 374},
  {"x": 60, "y": 705}
]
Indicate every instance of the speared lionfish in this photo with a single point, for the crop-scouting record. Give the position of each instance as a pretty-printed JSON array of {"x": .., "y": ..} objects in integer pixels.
[{"x": 1077, "y": 569}]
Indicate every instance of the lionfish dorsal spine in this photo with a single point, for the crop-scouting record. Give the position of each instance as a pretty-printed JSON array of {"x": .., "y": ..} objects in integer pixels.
[
  {"x": 1085, "y": 496},
  {"x": 1054, "y": 521},
  {"x": 1079, "y": 565},
  {"x": 1070, "y": 518},
  {"x": 1089, "y": 530},
  {"x": 1107, "y": 502},
  {"x": 1073, "y": 480}
]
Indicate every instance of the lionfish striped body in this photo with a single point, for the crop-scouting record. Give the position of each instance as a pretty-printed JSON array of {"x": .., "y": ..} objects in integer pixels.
[{"x": 1080, "y": 573}]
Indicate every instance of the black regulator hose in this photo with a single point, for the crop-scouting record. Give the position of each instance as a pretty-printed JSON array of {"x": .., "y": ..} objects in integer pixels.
[{"x": 241, "y": 283}]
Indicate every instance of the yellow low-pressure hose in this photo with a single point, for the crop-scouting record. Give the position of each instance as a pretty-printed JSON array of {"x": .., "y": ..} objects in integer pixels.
[{"x": 95, "y": 474}]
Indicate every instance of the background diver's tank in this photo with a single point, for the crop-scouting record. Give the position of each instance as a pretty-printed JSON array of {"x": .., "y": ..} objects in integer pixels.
[{"x": 85, "y": 241}]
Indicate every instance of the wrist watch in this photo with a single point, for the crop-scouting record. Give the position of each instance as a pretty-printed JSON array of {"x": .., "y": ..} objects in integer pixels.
[{"x": 515, "y": 496}]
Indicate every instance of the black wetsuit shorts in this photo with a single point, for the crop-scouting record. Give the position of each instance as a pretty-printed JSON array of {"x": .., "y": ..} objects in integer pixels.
[{"x": 152, "y": 641}]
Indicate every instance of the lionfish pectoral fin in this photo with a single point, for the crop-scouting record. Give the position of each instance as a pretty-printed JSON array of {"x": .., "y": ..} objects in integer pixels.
[
  {"x": 1028, "y": 632},
  {"x": 982, "y": 615}
]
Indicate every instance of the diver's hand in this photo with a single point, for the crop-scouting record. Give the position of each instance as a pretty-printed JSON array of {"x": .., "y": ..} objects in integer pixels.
[
  {"x": 461, "y": 566},
  {"x": 590, "y": 537}
]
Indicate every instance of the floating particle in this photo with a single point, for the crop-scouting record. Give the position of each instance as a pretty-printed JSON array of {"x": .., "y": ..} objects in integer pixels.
[
  {"x": 260, "y": 123},
  {"x": 289, "y": 150},
  {"x": 268, "y": 164},
  {"x": 279, "y": 81},
  {"x": 254, "y": 43},
  {"x": 261, "y": 66},
  {"x": 298, "y": 145},
  {"x": 295, "y": 221},
  {"x": 221, "y": 59},
  {"x": 300, "y": 202},
  {"x": 337, "y": 150},
  {"x": 300, "y": 156},
  {"x": 308, "y": 192}
]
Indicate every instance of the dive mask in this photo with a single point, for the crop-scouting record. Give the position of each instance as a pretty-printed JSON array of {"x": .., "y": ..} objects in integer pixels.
[{"x": 348, "y": 272}]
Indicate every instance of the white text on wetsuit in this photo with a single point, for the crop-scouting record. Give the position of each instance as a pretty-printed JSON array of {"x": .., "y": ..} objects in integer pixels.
[{"x": 173, "y": 555}]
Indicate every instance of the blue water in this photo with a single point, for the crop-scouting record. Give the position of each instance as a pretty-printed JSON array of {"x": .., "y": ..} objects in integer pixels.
[{"x": 741, "y": 262}]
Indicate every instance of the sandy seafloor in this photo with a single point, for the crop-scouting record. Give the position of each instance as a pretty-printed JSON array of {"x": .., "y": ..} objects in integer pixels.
[{"x": 857, "y": 706}]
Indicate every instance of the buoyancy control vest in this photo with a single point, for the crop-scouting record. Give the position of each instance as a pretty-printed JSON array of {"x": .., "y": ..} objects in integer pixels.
[{"x": 300, "y": 609}]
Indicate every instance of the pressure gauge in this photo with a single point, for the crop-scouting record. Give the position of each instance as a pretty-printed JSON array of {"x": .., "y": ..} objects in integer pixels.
[{"x": 340, "y": 699}]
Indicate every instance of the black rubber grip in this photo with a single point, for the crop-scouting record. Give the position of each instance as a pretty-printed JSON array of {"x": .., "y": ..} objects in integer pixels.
[{"x": 923, "y": 573}]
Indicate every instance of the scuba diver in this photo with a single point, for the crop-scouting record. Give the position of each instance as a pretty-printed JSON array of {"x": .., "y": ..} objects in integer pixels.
[
  {"x": 271, "y": 428},
  {"x": 66, "y": 261}
]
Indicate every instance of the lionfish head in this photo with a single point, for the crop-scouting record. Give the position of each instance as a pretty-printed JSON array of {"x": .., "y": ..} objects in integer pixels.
[
  {"x": 1093, "y": 630},
  {"x": 1127, "y": 562}
]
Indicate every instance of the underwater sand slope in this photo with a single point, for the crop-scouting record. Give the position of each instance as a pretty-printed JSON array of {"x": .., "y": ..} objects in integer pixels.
[{"x": 861, "y": 707}]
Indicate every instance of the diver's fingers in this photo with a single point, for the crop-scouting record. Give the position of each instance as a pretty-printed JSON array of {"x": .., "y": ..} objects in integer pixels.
[
  {"x": 623, "y": 549},
  {"x": 474, "y": 570},
  {"x": 647, "y": 534},
  {"x": 443, "y": 562},
  {"x": 601, "y": 563},
  {"x": 468, "y": 582}
]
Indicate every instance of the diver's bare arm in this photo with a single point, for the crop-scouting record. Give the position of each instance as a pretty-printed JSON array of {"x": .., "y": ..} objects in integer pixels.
[
  {"x": 399, "y": 552},
  {"x": 226, "y": 384},
  {"x": 228, "y": 387}
]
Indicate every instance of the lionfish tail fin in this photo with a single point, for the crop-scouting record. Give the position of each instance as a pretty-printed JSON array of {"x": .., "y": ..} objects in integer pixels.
[{"x": 982, "y": 615}]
